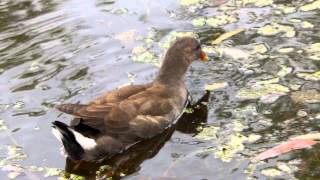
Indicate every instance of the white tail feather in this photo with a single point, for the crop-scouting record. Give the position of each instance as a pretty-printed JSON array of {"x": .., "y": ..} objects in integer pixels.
[
  {"x": 57, "y": 134},
  {"x": 85, "y": 142}
]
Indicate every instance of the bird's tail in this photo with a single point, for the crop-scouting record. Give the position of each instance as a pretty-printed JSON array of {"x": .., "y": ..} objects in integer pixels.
[{"x": 68, "y": 138}]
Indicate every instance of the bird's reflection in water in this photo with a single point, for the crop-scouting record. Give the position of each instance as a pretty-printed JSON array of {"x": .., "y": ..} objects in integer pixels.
[{"x": 129, "y": 161}]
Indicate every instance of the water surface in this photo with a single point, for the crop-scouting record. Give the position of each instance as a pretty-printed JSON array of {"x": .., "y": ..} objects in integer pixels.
[{"x": 70, "y": 51}]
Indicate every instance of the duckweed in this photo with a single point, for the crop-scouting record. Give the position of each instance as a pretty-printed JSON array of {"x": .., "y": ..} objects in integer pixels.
[
  {"x": 19, "y": 105},
  {"x": 275, "y": 28},
  {"x": 284, "y": 167},
  {"x": 306, "y": 24},
  {"x": 221, "y": 20},
  {"x": 207, "y": 133},
  {"x": 259, "y": 90},
  {"x": 250, "y": 169},
  {"x": 310, "y": 76},
  {"x": 48, "y": 172},
  {"x": 199, "y": 21},
  {"x": 72, "y": 177},
  {"x": 284, "y": 71},
  {"x": 119, "y": 11},
  {"x": 173, "y": 36},
  {"x": 285, "y": 50},
  {"x": 260, "y": 48},
  {"x": 228, "y": 151},
  {"x": 188, "y": 110},
  {"x": 15, "y": 153},
  {"x": 311, "y": 6},
  {"x": 189, "y": 2},
  {"x": 258, "y": 3},
  {"x": 253, "y": 137},
  {"x": 141, "y": 54},
  {"x": 216, "y": 86},
  {"x": 271, "y": 172},
  {"x": 3, "y": 125},
  {"x": 314, "y": 51},
  {"x": 102, "y": 169},
  {"x": 286, "y": 9}
]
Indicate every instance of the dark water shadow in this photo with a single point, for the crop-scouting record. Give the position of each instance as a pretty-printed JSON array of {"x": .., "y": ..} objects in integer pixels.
[{"x": 129, "y": 161}]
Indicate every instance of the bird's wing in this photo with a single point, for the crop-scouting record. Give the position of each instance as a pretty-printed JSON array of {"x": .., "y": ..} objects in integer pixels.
[
  {"x": 120, "y": 94},
  {"x": 94, "y": 113},
  {"x": 88, "y": 115},
  {"x": 139, "y": 116},
  {"x": 146, "y": 114}
]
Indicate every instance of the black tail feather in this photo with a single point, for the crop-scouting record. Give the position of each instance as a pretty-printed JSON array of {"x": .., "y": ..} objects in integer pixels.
[{"x": 71, "y": 146}]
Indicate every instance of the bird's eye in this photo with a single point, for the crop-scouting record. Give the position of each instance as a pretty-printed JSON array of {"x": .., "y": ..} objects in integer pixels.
[{"x": 198, "y": 47}]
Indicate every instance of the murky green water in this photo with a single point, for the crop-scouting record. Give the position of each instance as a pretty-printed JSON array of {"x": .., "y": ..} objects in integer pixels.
[{"x": 69, "y": 51}]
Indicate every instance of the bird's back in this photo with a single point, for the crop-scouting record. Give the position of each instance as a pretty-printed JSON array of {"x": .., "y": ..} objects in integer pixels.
[{"x": 125, "y": 116}]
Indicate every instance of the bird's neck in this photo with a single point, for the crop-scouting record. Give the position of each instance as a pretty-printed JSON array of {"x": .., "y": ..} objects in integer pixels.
[{"x": 173, "y": 70}]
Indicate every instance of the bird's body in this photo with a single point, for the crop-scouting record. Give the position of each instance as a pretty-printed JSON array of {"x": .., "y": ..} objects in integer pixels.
[{"x": 122, "y": 117}]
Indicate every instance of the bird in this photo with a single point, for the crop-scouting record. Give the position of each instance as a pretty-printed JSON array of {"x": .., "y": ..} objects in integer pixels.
[{"x": 120, "y": 118}]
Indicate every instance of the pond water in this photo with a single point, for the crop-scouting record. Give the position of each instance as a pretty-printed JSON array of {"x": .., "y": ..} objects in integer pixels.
[{"x": 264, "y": 84}]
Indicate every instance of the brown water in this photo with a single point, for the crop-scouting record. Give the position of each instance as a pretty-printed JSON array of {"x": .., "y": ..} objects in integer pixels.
[{"x": 70, "y": 51}]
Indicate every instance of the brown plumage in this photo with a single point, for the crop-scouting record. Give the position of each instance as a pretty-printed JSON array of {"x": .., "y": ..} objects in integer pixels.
[{"x": 120, "y": 118}]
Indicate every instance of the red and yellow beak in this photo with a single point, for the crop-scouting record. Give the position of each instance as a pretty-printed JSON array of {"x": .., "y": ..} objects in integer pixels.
[{"x": 203, "y": 56}]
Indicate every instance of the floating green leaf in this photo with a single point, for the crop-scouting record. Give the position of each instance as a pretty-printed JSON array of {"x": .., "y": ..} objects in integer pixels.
[
  {"x": 141, "y": 54},
  {"x": 271, "y": 172},
  {"x": 284, "y": 167},
  {"x": 199, "y": 21},
  {"x": 221, "y": 20},
  {"x": 310, "y": 76},
  {"x": 285, "y": 50},
  {"x": 229, "y": 150},
  {"x": 314, "y": 51},
  {"x": 311, "y": 6},
  {"x": 251, "y": 169},
  {"x": 253, "y": 137},
  {"x": 189, "y": 2},
  {"x": 284, "y": 71},
  {"x": 3, "y": 125},
  {"x": 102, "y": 170},
  {"x": 19, "y": 105},
  {"x": 207, "y": 133},
  {"x": 119, "y": 11},
  {"x": 258, "y": 3},
  {"x": 286, "y": 9},
  {"x": 52, "y": 172},
  {"x": 274, "y": 28},
  {"x": 306, "y": 24},
  {"x": 216, "y": 86},
  {"x": 172, "y": 37},
  {"x": 13, "y": 175},
  {"x": 260, "y": 48},
  {"x": 188, "y": 110},
  {"x": 15, "y": 153},
  {"x": 258, "y": 90}
]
